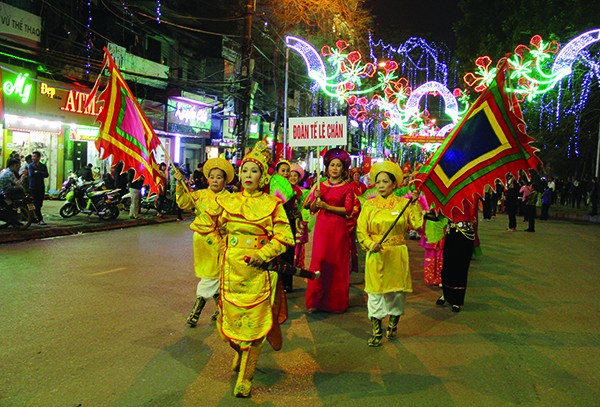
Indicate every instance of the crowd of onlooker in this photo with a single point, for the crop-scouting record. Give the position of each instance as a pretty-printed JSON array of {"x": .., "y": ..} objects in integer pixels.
[{"x": 545, "y": 192}]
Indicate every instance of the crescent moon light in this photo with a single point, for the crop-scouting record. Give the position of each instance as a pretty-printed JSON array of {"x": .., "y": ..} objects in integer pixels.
[
  {"x": 565, "y": 58},
  {"x": 312, "y": 58}
]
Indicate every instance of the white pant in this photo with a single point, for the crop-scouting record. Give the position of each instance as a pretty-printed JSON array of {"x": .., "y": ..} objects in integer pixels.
[
  {"x": 136, "y": 196},
  {"x": 207, "y": 288},
  {"x": 382, "y": 305}
]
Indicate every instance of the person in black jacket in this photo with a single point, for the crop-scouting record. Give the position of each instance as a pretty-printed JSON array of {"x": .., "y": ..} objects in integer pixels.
[
  {"x": 511, "y": 203},
  {"x": 37, "y": 172}
]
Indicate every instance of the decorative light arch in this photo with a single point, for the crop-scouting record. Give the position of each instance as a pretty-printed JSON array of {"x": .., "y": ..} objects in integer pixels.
[
  {"x": 312, "y": 58},
  {"x": 567, "y": 56},
  {"x": 412, "y": 104}
]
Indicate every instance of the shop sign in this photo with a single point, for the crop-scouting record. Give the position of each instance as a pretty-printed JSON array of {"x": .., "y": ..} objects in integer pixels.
[
  {"x": 18, "y": 88},
  {"x": 317, "y": 131},
  {"x": 187, "y": 118},
  {"x": 75, "y": 103},
  {"x": 20, "y": 26},
  {"x": 190, "y": 114},
  {"x": 60, "y": 101},
  {"x": 83, "y": 133}
]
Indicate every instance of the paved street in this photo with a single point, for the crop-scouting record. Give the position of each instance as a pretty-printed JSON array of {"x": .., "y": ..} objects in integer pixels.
[{"x": 99, "y": 320}]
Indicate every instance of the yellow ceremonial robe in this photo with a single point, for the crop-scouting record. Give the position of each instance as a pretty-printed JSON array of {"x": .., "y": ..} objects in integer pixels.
[
  {"x": 250, "y": 223},
  {"x": 388, "y": 270},
  {"x": 207, "y": 253}
]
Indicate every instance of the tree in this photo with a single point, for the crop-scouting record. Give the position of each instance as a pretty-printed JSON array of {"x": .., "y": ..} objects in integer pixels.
[
  {"x": 564, "y": 125},
  {"x": 317, "y": 21}
]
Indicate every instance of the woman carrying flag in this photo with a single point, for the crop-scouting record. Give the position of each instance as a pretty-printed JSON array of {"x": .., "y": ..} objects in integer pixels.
[{"x": 382, "y": 225}]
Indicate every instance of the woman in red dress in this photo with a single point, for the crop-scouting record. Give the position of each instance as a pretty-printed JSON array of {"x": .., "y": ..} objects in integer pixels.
[{"x": 333, "y": 201}]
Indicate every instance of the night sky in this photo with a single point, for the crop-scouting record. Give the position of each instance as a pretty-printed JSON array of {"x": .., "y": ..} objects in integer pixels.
[{"x": 398, "y": 20}]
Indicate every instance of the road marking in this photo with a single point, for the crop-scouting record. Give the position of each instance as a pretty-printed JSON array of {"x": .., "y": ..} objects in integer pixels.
[{"x": 109, "y": 271}]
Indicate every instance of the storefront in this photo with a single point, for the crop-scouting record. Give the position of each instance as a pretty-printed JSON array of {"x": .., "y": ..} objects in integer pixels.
[
  {"x": 63, "y": 103},
  {"x": 24, "y": 130}
]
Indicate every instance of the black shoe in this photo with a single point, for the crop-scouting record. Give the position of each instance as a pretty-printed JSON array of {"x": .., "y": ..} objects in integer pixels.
[
  {"x": 456, "y": 308},
  {"x": 529, "y": 230},
  {"x": 440, "y": 301}
]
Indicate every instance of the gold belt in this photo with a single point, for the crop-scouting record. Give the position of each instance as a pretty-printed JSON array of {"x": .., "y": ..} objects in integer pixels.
[
  {"x": 247, "y": 241},
  {"x": 390, "y": 240},
  {"x": 466, "y": 228}
]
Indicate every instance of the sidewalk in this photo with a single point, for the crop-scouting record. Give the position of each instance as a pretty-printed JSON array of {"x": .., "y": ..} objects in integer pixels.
[
  {"x": 58, "y": 226},
  {"x": 80, "y": 223}
]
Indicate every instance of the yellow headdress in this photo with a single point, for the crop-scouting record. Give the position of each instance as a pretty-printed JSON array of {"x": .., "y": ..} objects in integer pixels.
[
  {"x": 390, "y": 168},
  {"x": 261, "y": 156},
  {"x": 221, "y": 164}
]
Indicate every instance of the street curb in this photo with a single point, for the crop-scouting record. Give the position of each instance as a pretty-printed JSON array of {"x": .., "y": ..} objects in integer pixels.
[{"x": 15, "y": 236}]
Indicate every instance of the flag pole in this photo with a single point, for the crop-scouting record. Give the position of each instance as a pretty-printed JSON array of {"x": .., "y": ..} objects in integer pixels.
[{"x": 411, "y": 200}]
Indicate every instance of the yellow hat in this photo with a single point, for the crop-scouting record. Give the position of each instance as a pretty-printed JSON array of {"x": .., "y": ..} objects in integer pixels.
[
  {"x": 261, "y": 156},
  {"x": 390, "y": 168},
  {"x": 221, "y": 164}
]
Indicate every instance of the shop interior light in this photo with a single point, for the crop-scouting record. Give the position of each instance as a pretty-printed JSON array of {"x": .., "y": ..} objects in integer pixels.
[{"x": 32, "y": 122}]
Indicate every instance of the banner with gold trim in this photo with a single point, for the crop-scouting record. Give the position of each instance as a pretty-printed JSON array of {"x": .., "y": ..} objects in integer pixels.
[
  {"x": 125, "y": 132},
  {"x": 489, "y": 142}
]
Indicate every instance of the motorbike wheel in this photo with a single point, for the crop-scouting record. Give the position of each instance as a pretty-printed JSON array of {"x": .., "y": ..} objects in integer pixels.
[
  {"x": 108, "y": 212},
  {"x": 61, "y": 195},
  {"x": 24, "y": 216},
  {"x": 68, "y": 210}
]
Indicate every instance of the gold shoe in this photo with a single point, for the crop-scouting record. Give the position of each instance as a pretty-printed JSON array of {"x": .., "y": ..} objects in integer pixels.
[{"x": 243, "y": 388}]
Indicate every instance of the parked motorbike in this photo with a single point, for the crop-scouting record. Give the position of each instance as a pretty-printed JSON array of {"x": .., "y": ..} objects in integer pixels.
[
  {"x": 147, "y": 202},
  {"x": 89, "y": 198},
  {"x": 16, "y": 209},
  {"x": 67, "y": 185}
]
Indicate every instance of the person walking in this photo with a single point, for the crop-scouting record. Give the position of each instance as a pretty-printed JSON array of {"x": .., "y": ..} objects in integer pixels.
[
  {"x": 283, "y": 168},
  {"x": 594, "y": 196},
  {"x": 387, "y": 269},
  {"x": 530, "y": 207},
  {"x": 37, "y": 172},
  {"x": 253, "y": 229},
  {"x": 162, "y": 194},
  {"x": 546, "y": 202},
  {"x": 512, "y": 203},
  {"x": 332, "y": 201},
  {"x": 458, "y": 251},
  {"x": 207, "y": 255}
]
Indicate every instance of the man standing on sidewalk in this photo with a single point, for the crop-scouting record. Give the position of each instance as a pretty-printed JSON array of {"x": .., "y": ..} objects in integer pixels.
[
  {"x": 135, "y": 187},
  {"x": 37, "y": 172}
]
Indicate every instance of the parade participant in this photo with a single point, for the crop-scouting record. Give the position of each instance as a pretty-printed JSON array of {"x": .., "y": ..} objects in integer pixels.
[
  {"x": 249, "y": 224},
  {"x": 357, "y": 185},
  {"x": 458, "y": 250},
  {"x": 283, "y": 168},
  {"x": 387, "y": 270},
  {"x": 219, "y": 172},
  {"x": 359, "y": 188},
  {"x": 433, "y": 243},
  {"x": 296, "y": 177},
  {"x": 333, "y": 201}
]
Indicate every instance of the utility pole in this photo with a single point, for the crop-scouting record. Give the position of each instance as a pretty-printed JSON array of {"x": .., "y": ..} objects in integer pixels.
[{"x": 245, "y": 96}]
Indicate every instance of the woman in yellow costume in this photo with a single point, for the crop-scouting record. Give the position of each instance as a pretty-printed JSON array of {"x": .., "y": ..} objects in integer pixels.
[
  {"x": 219, "y": 172},
  {"x": 387, "y": 272},
  {"x": 254, "y": 229}
]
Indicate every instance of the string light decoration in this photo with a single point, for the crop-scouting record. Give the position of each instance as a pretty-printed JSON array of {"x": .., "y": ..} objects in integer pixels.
[
  {"x": 89, "y": 41},
  {"x": 532, "y": 74},
  {"x": 382, "y": 91},
  {"x": 158, "y": 11}
]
